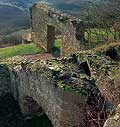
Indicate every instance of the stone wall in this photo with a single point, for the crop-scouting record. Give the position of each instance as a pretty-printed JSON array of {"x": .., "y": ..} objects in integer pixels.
[
  {"x": 69, "y": 90},
  {"x": 72, "y": 29},
  {"x": 64, "y": 108}
]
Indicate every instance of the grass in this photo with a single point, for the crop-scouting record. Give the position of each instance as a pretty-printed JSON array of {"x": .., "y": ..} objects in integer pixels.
[
  {"x": 19, "y": 50},
  {"x": 56, "y": 48},
  {"x": 98, "y": 40},
  {"x": 98, "y": 35},
  {"x": 57, "y": 43},
  {"x": 24, "y": 49}
]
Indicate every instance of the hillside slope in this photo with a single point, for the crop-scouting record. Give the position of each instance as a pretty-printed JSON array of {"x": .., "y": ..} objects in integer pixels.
[
  {"x": 14, "y": 15},
  {"x": 12, "y": 18},
  {"x": 75, "y": 7},
  {"x": 20, "y": 3}
]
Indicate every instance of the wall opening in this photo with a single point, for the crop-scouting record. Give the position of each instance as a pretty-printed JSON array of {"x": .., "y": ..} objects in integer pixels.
[
  {"x": 50, "y": 38},
  {"x": 57, "y": 43},
  {"x": 53, "y": 41},
  {"x": 41, "y": 121},
  {"x": 10, "y": 114},
  {"x": 35, "y": 115}
]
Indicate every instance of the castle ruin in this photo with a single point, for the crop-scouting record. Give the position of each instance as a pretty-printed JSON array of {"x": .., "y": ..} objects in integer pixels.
[
  {"x": 68, "y": 90},
  {"x": 46, "y": 19}
]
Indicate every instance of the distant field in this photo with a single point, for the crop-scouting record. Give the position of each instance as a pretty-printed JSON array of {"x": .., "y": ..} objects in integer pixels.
[{"x": 19, "y": 50}]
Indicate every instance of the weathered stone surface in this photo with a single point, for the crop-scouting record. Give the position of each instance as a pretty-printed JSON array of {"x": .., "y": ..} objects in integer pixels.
[
  {"x": 106, "y": 73},
  {"x": 44, "y": 21},
  {"x": 35, "y": 79}
]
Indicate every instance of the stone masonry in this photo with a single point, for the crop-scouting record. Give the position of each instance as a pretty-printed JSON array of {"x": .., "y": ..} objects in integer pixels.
[
  {"x": 46, "y": 19},
  {"x": 64, "y": 89},
  {"x": 34, "y": 80}
]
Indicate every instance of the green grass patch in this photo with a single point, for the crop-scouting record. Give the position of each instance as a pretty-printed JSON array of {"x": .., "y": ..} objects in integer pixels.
[
  {"x": 98, "y": 35},
  {"x": 57, "y": 46},
  {"x": 57, "y": 43},
  {"x": 19, "y": 50}
]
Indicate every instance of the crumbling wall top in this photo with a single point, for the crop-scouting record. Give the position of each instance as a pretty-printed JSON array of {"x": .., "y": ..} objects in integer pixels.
[
  {"x": 58, "y": 15},
  {"x": 41, "y": 6}
]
